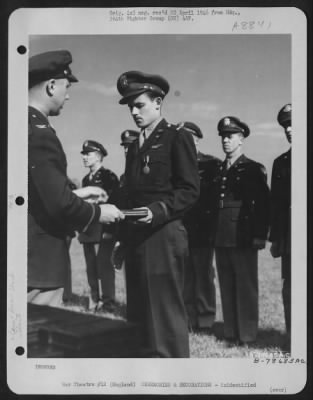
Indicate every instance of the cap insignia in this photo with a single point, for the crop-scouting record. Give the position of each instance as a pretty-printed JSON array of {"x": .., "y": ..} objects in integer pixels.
[
  {"x": 226, "y": 121},
  {"x": 85, "y": 143},
  {"x": 287, "y": 108},
  {"x": 126, "y": 134},
  {"x": 123, "y": 81}
]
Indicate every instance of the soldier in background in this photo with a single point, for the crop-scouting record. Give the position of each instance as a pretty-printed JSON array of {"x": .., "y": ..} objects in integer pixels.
[
  {"x": 199, "y": 291},
  {"x": 240, "y": 196},
  {"x": 98, "y": 243},
  {"x": 280, "y": 227}
]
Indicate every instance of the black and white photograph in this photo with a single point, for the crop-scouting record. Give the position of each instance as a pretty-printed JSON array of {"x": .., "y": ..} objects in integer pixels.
[{"x": 162, "y": 201}]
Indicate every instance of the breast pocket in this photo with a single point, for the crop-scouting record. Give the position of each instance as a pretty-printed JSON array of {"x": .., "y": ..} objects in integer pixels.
[{"x": 159, "y": 168}]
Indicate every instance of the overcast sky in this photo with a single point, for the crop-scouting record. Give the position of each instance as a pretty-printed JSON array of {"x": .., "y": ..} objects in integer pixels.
[{"x": 210, "y": 76}]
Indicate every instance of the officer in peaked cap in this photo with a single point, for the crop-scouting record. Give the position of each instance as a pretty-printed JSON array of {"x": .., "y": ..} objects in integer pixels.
[
  {"x": 232, "y": 125},
  {"x": 199, "y": 288},
  {"x": 128, "y": 136},
  {"x": 54, "y": 208},
  {"x": 284, "y": 119},
  {"x": 239, "y": 199},
  {"x": 280, "y": 227},
  {"x": 161, "y": 176},
  {"x": 50, "y": 65},
  {"x": 98, "y": 242},
  {"x": 284, "y": 116},
  {"x": 133, "y": 83},
  {"x": 90, "y": 146}
]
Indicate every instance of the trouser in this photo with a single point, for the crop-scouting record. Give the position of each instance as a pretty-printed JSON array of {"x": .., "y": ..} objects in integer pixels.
[
  {"x": 286, "y": 290},
  {"x": 45, "y": 297},
  {"x": 199, "y": 289},
  {"x": 99, "y": 267},
  {"x": 67, "y": 294},
  {"x": 154, "y": 283},
  {"x": 238, "y": 276}
]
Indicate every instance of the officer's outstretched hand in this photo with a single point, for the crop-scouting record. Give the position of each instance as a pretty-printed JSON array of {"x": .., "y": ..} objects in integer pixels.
[
  {"x": 147, "y": 219},
  {"x": 258, "y": 244},
  {"x": 110, "y": 214},
  {"x": 92, "y": 194}
]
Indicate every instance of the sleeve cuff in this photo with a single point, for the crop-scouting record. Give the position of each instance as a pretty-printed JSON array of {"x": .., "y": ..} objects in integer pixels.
[
  {"x": 160, "y": 213},
  {"x": 95, "y": 215}
]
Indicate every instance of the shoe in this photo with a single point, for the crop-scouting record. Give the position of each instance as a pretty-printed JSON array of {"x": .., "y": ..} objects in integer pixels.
[
  {"x": 231, "y": 342},
  {"x": 247, "y": 343},
  {"x": 93, "y": 305},
  {"x": 108, "y": 307}
]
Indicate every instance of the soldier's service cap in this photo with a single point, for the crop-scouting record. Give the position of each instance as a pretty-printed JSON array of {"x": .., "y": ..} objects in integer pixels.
[
  {"x": 50, "y": 65},
  {"x": 128, "y": 136},
  {"x": 231, "y": 124},
  {"x": 91, "y": 145},
  {"x": 284, "y": 115},
  {"x": 134, "y": 83},
  {"x": 192, "y": 128}
]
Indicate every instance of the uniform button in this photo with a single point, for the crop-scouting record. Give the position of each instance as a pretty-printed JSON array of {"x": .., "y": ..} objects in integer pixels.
[
  {"x": 222, "y": 195},
  {"x": 223, "y": 187},
  {"x": 238, "y": 178},
  {"x": 224, "y": 178}
]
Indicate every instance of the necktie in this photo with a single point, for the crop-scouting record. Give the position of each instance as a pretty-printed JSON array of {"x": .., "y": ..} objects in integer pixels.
[
  {"x": 142, "y": 138},
  {"x": 228, "y": 163}
]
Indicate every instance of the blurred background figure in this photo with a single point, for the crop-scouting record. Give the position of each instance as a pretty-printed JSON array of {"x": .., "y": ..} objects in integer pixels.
[
  {"x": 98, "y": 243},
  {"x": 280, "y": 227},
  {"x": 199, "y": 290}
]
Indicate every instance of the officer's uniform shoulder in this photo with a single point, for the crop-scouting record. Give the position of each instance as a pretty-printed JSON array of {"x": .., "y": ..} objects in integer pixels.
[
  {"x": 283, "y": 156},
  {"x": 37, "y": 122},
  {"x": 208, "y": 158},
  {"x": 106, "y": 175},
  {"x": 253, "y": 165}
]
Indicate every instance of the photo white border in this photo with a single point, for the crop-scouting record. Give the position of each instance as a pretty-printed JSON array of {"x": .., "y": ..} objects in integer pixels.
[{"x": 23, "y": 376}]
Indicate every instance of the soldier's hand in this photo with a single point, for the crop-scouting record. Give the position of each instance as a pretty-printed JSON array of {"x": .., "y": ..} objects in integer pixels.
[
  {"x": 110, "y": 214},
  {"x": 147, "y": 219},
  {"x": 258, "y": 244},
  {"x": 275, "y": 250}
]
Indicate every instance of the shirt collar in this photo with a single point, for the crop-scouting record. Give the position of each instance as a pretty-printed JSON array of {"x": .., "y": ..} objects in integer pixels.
[{"x": 149, "y": 129}]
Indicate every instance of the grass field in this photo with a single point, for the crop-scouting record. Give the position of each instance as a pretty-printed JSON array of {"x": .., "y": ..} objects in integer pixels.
[{"x": 271, "y": 336}]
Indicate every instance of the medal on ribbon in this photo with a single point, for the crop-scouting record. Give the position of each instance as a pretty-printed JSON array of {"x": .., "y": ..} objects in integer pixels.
[{"x": 146, "y": 168}]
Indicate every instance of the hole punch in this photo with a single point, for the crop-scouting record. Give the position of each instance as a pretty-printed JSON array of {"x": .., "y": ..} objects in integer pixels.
[
  {"x": 20, "y": 350},
  {"x": 19, "y": 200},
  {"x": 21, "y": 49}
]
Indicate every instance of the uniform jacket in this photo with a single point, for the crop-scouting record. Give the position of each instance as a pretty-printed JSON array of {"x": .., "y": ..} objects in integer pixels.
[
  {"x": 280, "y": 231},
  {"x": 198, "y": 221},
  {"x": 171, "y": 186},
  {"x": 108, "y": 181},
  {"x": 54, "y": 212},
  {"x": 240, "y": 203}
]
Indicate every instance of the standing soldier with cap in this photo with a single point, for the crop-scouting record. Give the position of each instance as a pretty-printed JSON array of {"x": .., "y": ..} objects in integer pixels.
[
  {"x": 161, "y": 178},
  {"x": 199, "y": 291},
  {"x": 240, "y": 196},
  {"x": 54, "y": 210},
  {"x": 98, "y": 242},
  {"x": 280, "y": 228}
]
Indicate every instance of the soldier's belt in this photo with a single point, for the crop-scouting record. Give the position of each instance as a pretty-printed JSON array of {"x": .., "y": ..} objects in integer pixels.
[{"x": 229, "y": 204}]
